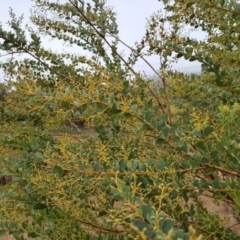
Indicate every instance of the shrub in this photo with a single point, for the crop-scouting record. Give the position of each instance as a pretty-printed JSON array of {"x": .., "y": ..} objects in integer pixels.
[{"x": 158, "y": 150}]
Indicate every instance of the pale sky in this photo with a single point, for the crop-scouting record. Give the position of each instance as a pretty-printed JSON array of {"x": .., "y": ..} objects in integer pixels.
[{"x": 131, "y": 19}]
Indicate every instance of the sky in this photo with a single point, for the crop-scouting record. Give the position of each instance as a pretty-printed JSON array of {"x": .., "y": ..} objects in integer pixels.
[{"x": 131, "y": 18}]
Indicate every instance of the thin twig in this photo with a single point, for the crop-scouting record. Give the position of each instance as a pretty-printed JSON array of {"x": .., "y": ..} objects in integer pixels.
[{"x": 114, "y": 50}]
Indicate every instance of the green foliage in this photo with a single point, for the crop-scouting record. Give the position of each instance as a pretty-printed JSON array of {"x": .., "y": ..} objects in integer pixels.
[{"x": 155, "y": 151}]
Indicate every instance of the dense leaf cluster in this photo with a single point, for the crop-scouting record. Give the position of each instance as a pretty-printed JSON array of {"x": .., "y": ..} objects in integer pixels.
[{"x": 147, "y": 156}]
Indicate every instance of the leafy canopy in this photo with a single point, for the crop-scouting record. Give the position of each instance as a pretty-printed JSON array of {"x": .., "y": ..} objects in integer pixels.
[{"x": 149, "y": 155}]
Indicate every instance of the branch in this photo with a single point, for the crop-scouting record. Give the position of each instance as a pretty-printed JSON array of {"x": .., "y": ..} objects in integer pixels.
[
  {"x": 37, "y": 58},
  {"x": 114, "y": 50}
]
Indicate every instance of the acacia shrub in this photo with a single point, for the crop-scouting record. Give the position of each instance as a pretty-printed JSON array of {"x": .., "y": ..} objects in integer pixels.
[{"x": 158, "y": 149}]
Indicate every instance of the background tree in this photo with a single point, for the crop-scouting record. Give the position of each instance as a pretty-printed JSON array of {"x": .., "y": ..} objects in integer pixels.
[
  {"x": 3, "y": 91},
  {"x": 157, "y": 151}
]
